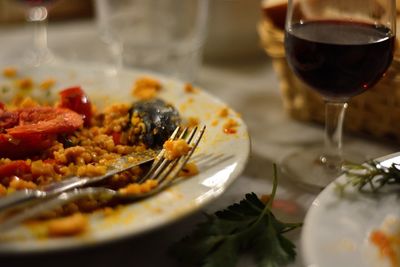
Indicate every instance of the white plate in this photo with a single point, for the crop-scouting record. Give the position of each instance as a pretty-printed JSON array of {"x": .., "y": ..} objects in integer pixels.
[
  {"x": 336, "y": 229},
  {"x": 106, "y": 86}
]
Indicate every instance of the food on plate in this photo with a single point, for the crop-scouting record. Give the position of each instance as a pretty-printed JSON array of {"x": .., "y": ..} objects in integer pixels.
[
  {"x": 387, "y": 240},
  {"x": 75, "y": 99},
  {"x": 24, "y": 83},
  {"x": 146, "y": 88},
  {"x": 190, "y": 169},
  {"x": 10, "y": 72},
  {"x": 43, "y": 142},
  {"x": 223, "y": 112},
  {"x": 156, "y": 119},
  {"x": 230, "y": 126},
  {"x": 26, "y": 131},
  {"x": 189, "y": 88},
  {"x": 175, "y": 148},
  {"x": 192, "y": 122},
  {"x": 70, "y": 225},
  {"x": 370, "y": 175},
  {"x": 47, "y": 84},
  {"x": 136, "y": 188}
]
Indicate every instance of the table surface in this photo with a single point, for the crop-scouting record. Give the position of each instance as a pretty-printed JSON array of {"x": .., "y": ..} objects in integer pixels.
[{"x": 251, "y": 88}]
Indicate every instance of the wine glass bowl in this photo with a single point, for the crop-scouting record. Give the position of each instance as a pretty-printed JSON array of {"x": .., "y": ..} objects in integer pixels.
[{"x": 340, "y": 48}]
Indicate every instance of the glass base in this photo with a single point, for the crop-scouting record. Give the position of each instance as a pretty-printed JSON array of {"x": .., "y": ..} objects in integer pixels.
[{"x": 307, "y": 168}]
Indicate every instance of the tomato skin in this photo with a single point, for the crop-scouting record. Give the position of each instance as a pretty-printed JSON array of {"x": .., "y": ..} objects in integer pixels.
[
  {"x": 75, "y": 99},
  {"x": 116, "y": 136},
  {"x": 27, "y": 131},
  {"x": 36, "y": 130},
  {"x": 45, "y": 120},
  {"x": 20, "y": 147},
  {"x": 7, "y": 119},
  {"x": 16, "y": 167}
]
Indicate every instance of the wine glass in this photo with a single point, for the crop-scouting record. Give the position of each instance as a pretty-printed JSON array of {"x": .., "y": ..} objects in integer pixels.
[
  {"x": 37, "y": 14},
  {"x": 340, "y": 48}
]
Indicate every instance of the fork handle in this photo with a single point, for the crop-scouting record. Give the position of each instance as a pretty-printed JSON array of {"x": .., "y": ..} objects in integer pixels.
[
  {"x": 13, "y": 220},
  {"x": 20, "y": 197},
  {"x": 50, "y": 203},
  {"x": 23, "y": 197}
]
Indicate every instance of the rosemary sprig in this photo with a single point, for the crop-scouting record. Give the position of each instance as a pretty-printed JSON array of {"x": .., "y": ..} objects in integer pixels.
[{"x": 370, "y": 176}]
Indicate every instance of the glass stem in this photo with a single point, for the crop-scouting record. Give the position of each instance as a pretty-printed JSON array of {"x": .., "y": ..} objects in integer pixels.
[
  {"x": 334, "y": 117},
  {"x": 38, "y": 17}
]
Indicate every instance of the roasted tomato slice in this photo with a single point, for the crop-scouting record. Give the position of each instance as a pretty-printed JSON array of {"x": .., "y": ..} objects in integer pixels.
[
  {"x": 26, "y": 145},
  {"x": 36, "y": 130},
  {"x": 116, "y": 136},
  {"x": 45, "y": 120},
  {"x": 16, "y": 167},
  {"x": 75, "y": 99},
  {"x": 8, "y": 119}
]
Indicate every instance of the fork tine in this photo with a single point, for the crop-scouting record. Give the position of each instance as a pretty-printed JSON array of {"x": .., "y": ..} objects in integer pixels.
[
  {"x": 159, "y": 158},
  {"x": 186, "y": 158},
  {"x": 160, "y": 155},
  {"x": 164, "y": 164},
  {"x": 176, "y": 165},
  {"x": 164, "y": 172}
]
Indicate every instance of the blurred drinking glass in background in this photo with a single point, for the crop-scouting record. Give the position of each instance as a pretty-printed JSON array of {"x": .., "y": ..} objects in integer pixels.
[
  {"x": 231, "y": 32},
  {"x": 36, "y": 14},
  {"x": 165, "y": 36},
  {"x": 42, "y": 32}
]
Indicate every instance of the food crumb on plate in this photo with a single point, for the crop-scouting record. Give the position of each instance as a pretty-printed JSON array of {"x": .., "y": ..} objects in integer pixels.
[
  {"x": 136, "y": 188},
  {"x": 67, "y": 226},
  {"x": 189, "y": 170},
  {"x": 47, "y": 84},
  {"x": 19, "y": 184},
  {"x": 175, "y": 148},
  {"x": 387, "y": 240},
  {"x": 24, "y": 83},
  {"x": 146, "y": 88},
  {"x": 192, "y": 122},
  {"x": 188, "y": 88},
  {"x": 10, "y": 72},
  {"x": 223, "y": 112},
  {"x": 230, "y": 126}
]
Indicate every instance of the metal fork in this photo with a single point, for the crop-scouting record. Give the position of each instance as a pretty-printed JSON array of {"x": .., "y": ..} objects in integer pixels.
[
  {"x": 24, "y": 197},
  {"x": 164, "y": 171}
]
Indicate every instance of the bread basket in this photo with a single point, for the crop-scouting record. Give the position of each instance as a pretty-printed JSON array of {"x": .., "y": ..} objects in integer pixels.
[{"x": 375, "y": 112}]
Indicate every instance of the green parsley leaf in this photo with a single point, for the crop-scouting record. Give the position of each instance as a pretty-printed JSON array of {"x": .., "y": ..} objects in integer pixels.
[{"x": 245, "y": 226}]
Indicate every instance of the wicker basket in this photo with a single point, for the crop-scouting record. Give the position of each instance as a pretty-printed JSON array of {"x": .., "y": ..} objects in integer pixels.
[{"x": 375, "y": 112}]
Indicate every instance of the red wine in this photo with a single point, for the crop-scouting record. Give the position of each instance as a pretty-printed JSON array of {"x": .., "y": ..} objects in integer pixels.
[{"x": 339, "y": 59}]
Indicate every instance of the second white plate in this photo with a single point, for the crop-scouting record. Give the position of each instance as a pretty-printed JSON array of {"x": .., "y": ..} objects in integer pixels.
[{"x": 337, "y": 228}]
